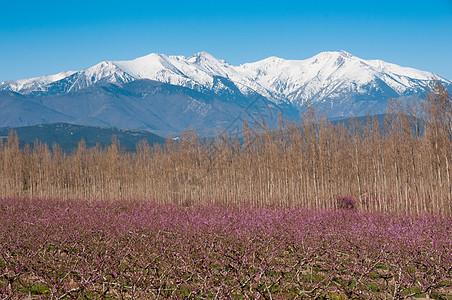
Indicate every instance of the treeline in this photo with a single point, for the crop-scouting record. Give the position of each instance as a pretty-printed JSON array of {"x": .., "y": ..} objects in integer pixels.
[{"x": 403, "y": 165}]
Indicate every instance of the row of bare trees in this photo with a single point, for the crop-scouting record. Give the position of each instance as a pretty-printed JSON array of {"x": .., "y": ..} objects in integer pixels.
[{"x": 403, "y": 165}]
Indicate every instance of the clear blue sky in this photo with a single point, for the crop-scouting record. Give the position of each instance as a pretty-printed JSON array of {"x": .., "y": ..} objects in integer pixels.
[{"x": 47, "y": 37}]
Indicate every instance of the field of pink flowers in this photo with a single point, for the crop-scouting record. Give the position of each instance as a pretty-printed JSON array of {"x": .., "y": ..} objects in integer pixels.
[{"x": 115, "y": 250}]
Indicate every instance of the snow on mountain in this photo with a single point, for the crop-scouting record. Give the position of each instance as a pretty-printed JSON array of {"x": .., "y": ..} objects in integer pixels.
[
  {"x": 337, "y": 83},
  {"x": 317, "y": 78},
  {"x": 196, "y": 72},
  {"x": 280, "y": 80},
  {"x": 176, "y": 70},
  {"x": 65, "y": 82},
  {"x": 33, "y": 84}
]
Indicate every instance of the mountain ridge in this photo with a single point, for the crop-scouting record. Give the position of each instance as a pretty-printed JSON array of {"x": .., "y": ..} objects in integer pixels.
[
  {"x": 68, "y": 136},
  {"x": 200, "y": 69},
  {"x": 207, "y": 93}
]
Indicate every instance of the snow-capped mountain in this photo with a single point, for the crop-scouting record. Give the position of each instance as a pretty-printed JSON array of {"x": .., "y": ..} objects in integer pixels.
[
  {"x": 33, "y": 84},
  {"x": 337, "y": 83},
  {"x": 328, "y": 74},
  {"x": 284, "y": 80}
]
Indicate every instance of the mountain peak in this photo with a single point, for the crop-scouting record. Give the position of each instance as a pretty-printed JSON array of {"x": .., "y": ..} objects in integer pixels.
[
  {"x": 203, "y": 53},
  {"x": 332, "y": 55},
  {"x": 200, "y": 56},
  {"x": 274, "y": 59},
  {"x": 346, "y": 54}
]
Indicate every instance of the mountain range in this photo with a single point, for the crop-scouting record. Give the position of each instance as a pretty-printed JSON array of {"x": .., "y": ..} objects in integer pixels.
[{"x": 167, "y": 94}]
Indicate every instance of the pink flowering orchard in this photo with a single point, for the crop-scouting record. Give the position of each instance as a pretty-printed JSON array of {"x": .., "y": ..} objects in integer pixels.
[{"x": 53, "y": 249}]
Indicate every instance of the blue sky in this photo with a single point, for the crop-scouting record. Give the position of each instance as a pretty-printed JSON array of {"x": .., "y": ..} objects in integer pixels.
[{"x": 46, "y": 37}]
